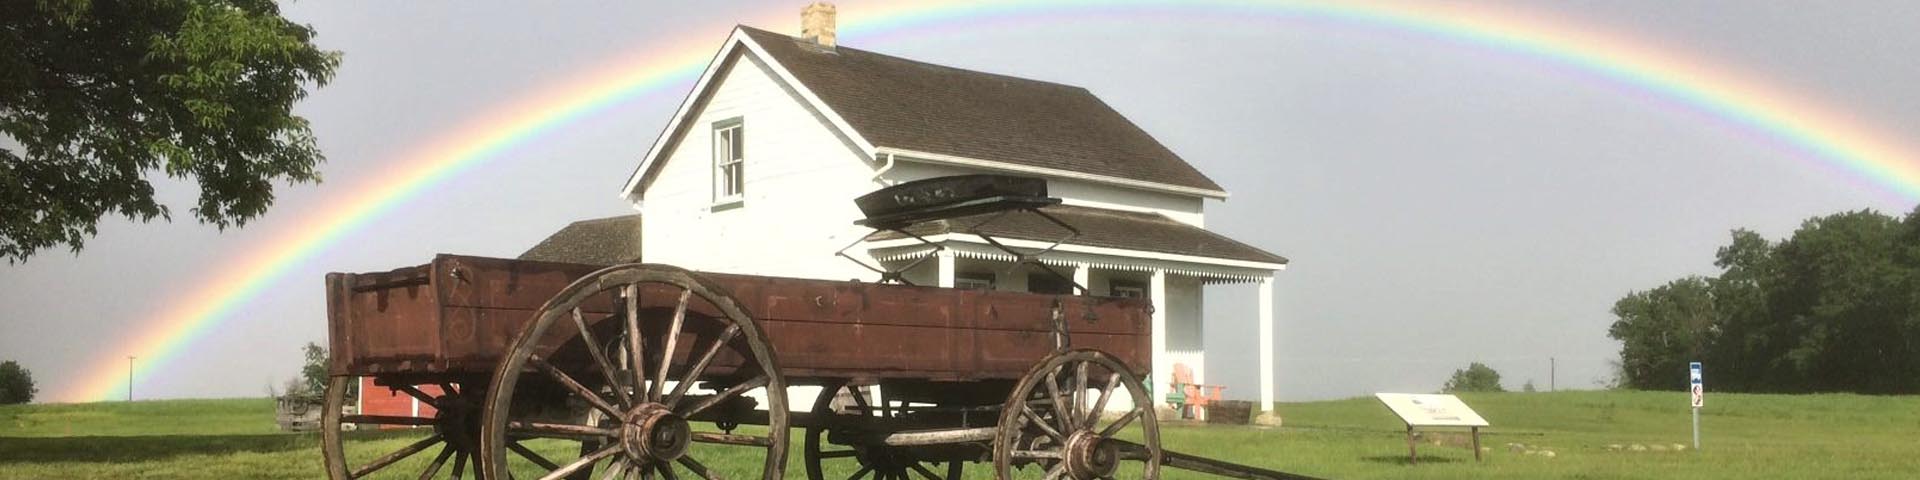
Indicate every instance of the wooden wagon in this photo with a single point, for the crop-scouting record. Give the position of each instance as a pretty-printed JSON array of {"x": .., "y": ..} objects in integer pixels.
[{"x": 651, "y": 370}]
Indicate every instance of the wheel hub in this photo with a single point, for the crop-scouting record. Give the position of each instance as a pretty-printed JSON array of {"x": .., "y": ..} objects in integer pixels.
[
  {"x": 1089, "y": 455},
  {"x": 458, "y": 421},
  {"x": 651, "y": 431}
]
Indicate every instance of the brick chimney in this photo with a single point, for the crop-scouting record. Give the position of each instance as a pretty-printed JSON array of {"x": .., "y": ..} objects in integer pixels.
[{"x": 817, "y": 25}]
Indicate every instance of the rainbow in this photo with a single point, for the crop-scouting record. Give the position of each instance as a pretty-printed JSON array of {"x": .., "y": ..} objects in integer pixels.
[{"x": 1820, "y": 133}]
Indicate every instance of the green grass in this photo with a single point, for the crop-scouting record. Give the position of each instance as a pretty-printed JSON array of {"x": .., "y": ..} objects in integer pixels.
[{"x": 1767, "y": 436}]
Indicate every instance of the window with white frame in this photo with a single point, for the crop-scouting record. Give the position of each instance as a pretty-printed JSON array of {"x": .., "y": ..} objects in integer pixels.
[
  {"x": 1127, "y": 289},
  {"x": 973, "y": 281},
  {"x": 729, "y": 161}
]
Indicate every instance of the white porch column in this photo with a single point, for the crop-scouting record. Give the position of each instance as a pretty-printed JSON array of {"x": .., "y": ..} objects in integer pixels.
[
  {"x": 1162, "y": 363},
  {"x": 946, "y": 271},
  {"x": 1081, "y": 275},
  {"x": 1266, "y": 344}
]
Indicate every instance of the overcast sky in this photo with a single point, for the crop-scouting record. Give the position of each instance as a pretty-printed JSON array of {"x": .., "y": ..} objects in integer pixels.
[{"x": 1443, "y": 202}]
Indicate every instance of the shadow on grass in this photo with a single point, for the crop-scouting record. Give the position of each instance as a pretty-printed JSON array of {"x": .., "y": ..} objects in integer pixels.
[
  {"x": 1402, "y": 459},
  {"x": 156, "y": 447}
]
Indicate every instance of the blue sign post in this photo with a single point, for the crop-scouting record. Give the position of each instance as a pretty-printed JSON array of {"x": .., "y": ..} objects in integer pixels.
[{"x": 1699, "y": 391}]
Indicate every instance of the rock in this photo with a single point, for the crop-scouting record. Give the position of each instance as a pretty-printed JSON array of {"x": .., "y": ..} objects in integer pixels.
[
  {"x": 1658, "y": 448},
  {"x": 1637, "y": 447},
  {"x": 1267, "y": 419},
  {"x": 1548, "y": 453},
  {"x": 1679, "y": 448},
  {"x": 1516, "y": 447},
  {"x": 1616, "y": 447}
]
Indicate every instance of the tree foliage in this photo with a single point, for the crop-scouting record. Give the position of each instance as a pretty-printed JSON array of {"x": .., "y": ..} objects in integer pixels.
[
  {"x": 1835, "y": 307},
  {"x": 1477, "y": 377},
  {"x": 16, "y": 384},
  {"x": 96, "y": 96}
]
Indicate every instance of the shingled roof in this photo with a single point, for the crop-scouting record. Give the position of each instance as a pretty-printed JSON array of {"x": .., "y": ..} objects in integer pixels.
[
  {"x": 1100, "y": 227},
  {"x": 922, "y": 107},
  {"x": 600, "y": 241}
]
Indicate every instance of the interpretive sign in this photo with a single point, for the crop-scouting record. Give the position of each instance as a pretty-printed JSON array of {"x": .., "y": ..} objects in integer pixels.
[
  {"x": 1432, "y": 410},
  {"x": 1699, "y": 388}
]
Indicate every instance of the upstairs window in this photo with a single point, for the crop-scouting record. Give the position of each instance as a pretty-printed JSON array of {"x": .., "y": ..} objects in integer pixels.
[{"x": 729, "y": 161}]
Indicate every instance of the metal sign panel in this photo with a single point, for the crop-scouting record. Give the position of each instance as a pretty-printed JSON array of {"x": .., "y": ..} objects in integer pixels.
[
  {"x": 1698, "y": 387},
  {"x": 1431, "y": 410}
]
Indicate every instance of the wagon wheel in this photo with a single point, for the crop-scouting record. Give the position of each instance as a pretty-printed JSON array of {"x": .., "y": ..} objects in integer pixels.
[
  {"x": 1047, "y": 423},
  {"x": 878, "y": 461},
  {"x": 638, "y": 382},
  {"x": 455, "y": 422}
]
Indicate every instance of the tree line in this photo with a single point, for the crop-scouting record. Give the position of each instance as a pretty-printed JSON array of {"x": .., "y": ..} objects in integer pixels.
[{"x": 1835, "y": 307}]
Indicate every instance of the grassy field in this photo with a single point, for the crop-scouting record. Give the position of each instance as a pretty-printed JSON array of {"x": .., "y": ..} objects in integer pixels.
[{"x": 1746, "y": 436}]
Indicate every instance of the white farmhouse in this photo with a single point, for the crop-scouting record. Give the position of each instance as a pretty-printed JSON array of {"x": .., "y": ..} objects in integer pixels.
[{"x": 757, "y": 170}]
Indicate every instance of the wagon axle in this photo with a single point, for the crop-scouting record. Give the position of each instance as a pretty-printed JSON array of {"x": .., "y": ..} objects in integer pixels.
[{"x": 652, "y": 431}]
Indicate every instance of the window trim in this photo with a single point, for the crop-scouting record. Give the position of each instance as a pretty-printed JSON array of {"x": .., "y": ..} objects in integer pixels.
[
  {"x": 737, "y": 160},
  {"x": 991, "y": 281}
]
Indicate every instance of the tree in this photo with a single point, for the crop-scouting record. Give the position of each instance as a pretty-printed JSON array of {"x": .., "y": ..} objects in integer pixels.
[
  {"x": 99, "y": 95},
  {"x": 16, "y": 384},
  {"x": 1476, "y": 377},
  {"x": 312, "y": 383},
  {"x": 1833, "y": 307},
  {"x": 1661, "y": 330}
]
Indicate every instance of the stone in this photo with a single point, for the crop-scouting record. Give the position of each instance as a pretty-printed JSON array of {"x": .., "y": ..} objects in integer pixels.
[
  {"x": 1679, "y": 448},
  {"x": 1616, "y": 447},
  {"x": 1269, "y": 419},
  {"x": 1637, "y": 447},
  {"x": 1658, "y": 448},
  {"x": 1548, "y": 453}
]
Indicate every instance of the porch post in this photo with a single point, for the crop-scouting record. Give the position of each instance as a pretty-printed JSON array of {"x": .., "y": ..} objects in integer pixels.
[
  {"x": 1081, "y": 275},
  {"x": 1162, "y": 363},
  {"x": 946, "y": 271},
  {"x": 1266, "y": 344}
]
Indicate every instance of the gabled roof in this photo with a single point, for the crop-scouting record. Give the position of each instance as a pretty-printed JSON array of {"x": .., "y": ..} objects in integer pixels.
[
  {"x": 600, "y": 241},
  {"x": 949, "y": 115},
  {"x": 1101, "y": 227}
]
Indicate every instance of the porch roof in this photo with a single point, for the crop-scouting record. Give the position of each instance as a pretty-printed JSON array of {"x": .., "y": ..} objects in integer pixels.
[{"x": 1100, "y": 227}]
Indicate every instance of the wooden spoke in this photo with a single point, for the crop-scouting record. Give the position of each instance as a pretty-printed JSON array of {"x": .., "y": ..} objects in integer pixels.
[
  {"x": 1121, "y": 423},
  {"x": 607, "y": 370},
  {"x": 666, "y": 471},
  {"x": 666, "y": 351},
  {"x": 698, "y": 469},
  {"x": 532, "y": 456},
  {"x": 839, "y": 454},
  {"x": 438, "y": 461},
  {"x": 1036, "y": 454},
  {"x": 1093, "y": 417},
  {"x": 730, "y": 392},
  {"x": 1056, "y": 472},
  {"x": 416, "y": 393},
  {"x": 446, "y": 388},
  {"x": 861, "y": 474},
  {"x": 459, "y": 465},
  {"x": 1079, "y": 394},
  {"x": 582, "y": 462},
  {"x": 1037, "y": 421},
  {"x": 387, "y": 420},
  {"x": 635, "y": 349},
  {"x": 396, "y": 456},
  {"x": 571, "y": 384},
  {"x": 730, "y": 439},
  {"x": 917, "y": 467},
  {"x": 693, "y": 374},
  {"x": 559, "y": 430},
  {"x": 642, "y": 472},
  {"x": 616, "y": 470},
  {"x": 1060, "y": 407}
]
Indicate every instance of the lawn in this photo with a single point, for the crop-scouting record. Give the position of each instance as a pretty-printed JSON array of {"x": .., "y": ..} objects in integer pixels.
[{"x": 1591, "y": 435}]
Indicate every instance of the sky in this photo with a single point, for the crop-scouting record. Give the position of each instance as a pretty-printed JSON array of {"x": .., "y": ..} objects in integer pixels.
[{"x": 1443, "y": 202}]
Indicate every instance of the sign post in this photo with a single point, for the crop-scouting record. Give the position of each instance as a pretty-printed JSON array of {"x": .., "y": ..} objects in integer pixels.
[{"x": 1699, "y": 399}]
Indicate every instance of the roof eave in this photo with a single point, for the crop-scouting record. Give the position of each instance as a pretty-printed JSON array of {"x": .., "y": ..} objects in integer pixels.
[{"x": 944, "y": 159}]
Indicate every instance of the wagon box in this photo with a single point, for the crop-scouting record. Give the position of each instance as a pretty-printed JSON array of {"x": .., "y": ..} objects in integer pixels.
[{"x": 457, "y": 314}]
